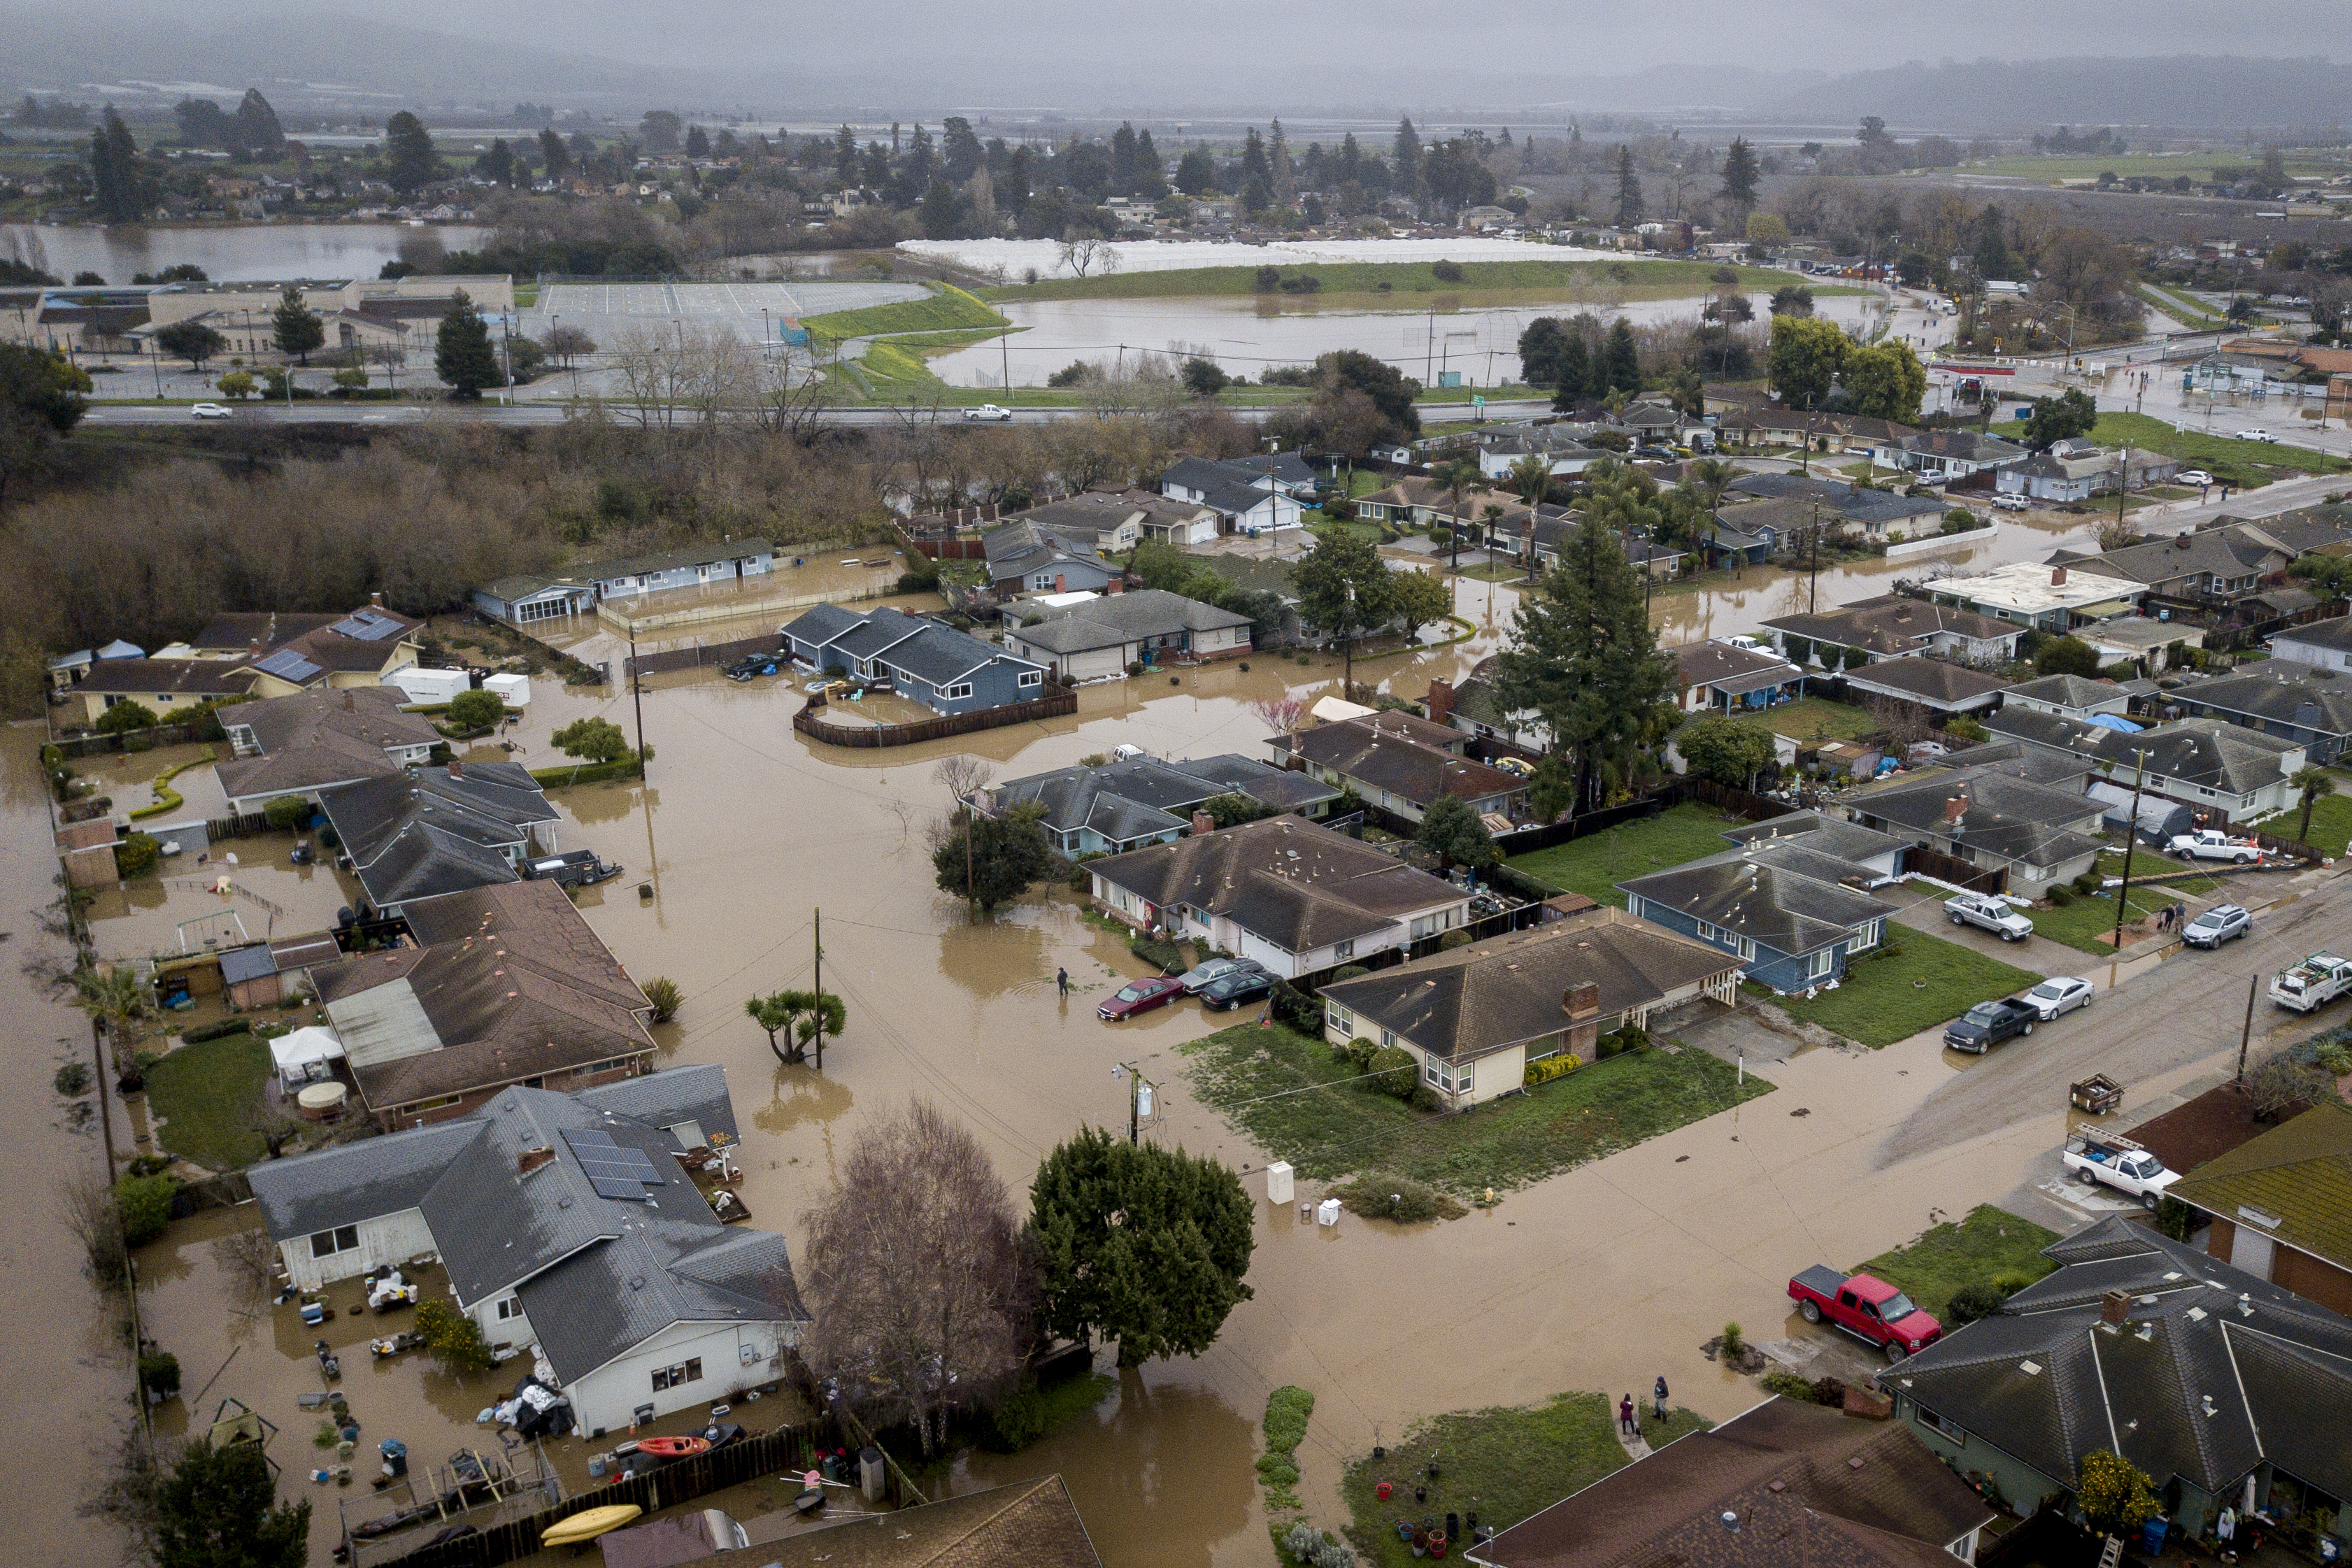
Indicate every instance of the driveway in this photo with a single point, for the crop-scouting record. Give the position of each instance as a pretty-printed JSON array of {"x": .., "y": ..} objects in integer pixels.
[{"x": 1924, "y": 910}]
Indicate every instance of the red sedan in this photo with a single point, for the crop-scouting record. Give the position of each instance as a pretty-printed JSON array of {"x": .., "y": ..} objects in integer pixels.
[{"x": 1142, "y": 996}]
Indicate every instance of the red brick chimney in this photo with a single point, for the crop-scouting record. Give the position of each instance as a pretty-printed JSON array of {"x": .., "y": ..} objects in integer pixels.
[
  {"x": 456, "y": 769},
  {"x": 1954, "y": 809},
  {"x": 1441, "y": 700},
  {"x": 1116, "y": 585},
  {"x": 1203, "y": 823},
  {"x": 2115, "y": 1307},
  {"x": 2057, "y": 576},
  {"x": 1060, "y": 584}
]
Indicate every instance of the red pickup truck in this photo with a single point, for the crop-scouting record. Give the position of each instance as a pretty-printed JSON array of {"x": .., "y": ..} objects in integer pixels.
[{"x": 1868, "y": 1309}]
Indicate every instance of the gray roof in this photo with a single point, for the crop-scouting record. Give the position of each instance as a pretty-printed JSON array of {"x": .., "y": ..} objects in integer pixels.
[
  {"x": 416, "y": 836},
  {"x": 1830, "y": 836},
  {"x": 2278, "y": 693},
  {"x": 2067, "y": 691},
  {"x": 2232, "y": 550},
  {"x": 354, "y": 1181},
  {"x": 822, "y": 623},
  {"x": 927, "y": 650},
  {"x": 884, "y": 627},
  {"x": 1891, "y": 624},
  {"x": 1211, "y": 475},
  {"x": 2009, "y": 817},
  {"x": 2213, "y": 752},
  {"x": 1783, "y": 896},
  {"x": 1729, "y": 669},
  {"x": 2335, "y": 634},
  {"x": 2276, "y": 1369},
  {"x": 1934, "y": 682},
  {"x": 1116, "y": 619},
  {"x": 1386, "y": 752},
  {"x": 666, "y": 560},
  {"x": 1018, "y": 545},
  {"x": 1146, "y": 796}
]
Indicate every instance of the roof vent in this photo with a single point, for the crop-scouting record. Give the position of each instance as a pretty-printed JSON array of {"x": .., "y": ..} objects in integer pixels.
[
  {"x": 1776, "y": 1486},
  {"x": 2146, "y": 1331},
  {"x": 2206, "y": 1400},
  {"x": 564, "y": 1202},
  {"x": 2267, "y": 1221},
  {"x": 2029, "y": 1368},
  {"x": 2196, "y": 1314},
  {"x": 1854, "y": 1463},
  {"x": 2173, "y": 1275},
  {"x": 1730, "y": 1521},
  {"x": 637, "y": 1282}
]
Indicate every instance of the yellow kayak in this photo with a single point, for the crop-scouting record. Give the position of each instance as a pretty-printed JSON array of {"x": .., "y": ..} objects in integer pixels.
[{"x": 589, "y": 1524}]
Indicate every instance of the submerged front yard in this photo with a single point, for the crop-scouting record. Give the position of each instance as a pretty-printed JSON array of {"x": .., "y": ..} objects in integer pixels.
[{"x": 1336, "y": 1127}]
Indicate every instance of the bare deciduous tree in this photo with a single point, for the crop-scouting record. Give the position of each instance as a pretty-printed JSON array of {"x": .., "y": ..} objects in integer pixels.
[
  {"x": 1083, "y": 250},
  {"x": 1280, "y": 714},
  {"x": 87, "y": 1207},
  {"x": 917, "y": 1283},
  {"x": 961, "y": 773},
  {"x": 248, "y": 1257}
]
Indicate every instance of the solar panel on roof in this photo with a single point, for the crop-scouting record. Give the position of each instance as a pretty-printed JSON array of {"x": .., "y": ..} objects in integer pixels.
[
  {"x": 366, "y": 625},
  {"x": 614, "y": 1170},
  {"x": 287, "y": 665}
]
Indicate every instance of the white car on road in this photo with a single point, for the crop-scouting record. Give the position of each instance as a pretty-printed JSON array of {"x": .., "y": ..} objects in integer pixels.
[
  {"x": 2059, "y": 994},
  {"x": 210, "y": 410},
  {"x": 988, "y": 413},
  {"x": 2256, "y": 434}
]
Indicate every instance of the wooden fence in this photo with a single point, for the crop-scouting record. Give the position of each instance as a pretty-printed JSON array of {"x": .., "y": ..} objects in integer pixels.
[
  {"x": 701, "y": 654},
  {"x": 786, "y": 1448},
  {"x": 1055, "y": 705},
  {"x": 1922, "y": 861},
  {"x": 145, "y": 739},
  {"x": 220, "y": 827}
]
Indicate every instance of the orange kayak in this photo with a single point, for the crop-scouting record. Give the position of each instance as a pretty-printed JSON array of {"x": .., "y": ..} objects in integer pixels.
[{"x": 673, "y": 1448}]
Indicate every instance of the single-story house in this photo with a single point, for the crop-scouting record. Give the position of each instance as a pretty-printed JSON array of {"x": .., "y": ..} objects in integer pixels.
[
  {"x": 1472, "y": 707},
  {"x": 2068, "y": 695},
  {"x": 1718, "y": 677},
  {"x": 2221, "y": 1387},
  {"x": 2049, "y": 598},
  {"x": 1938, "y": 457},
  {"x": 1893, "y": 625},
  {"x": 1473, "y": 1018},
  {"x": 1390, "y": 764},
  {"x": 2215, "y": 767},
  {"x": 1937, "y": 685},
  {"x": 506, "y": 984},
  {"x": 2320, "y": 645},
  {"x": 289, "y": 653},
  {"x": 412, "y": 836},
  {"x": 1412, "y": 501},
  {"x": 163, "y": 686},
  {"x": 316, "y": 740},
  {"x": 1298, "y": 898},
  {"x": 2280, "y": 1206},
  {"x": 525, "y": 597},
  {"x": 1785, "y": 1484},
  {"x": 578, "y": 588},
  {"x": 2037, "y": 834},
  {"x": 568, "y": 1224},
  {"x": 1028, "y": 556},
  {"x": 1879, "y": 856},
  {"x": 1561, "y": 453},
  {"x": 1117, "y": 806},
  {"x": 2206, "y": 568},
  {"x": 1098, "y": 639},
  {"x": 945, "y": 670},
  {"x": 2309, "y": 705},
  {"x": 2142, "y": 640},
  {"x": 1795, "y": 916},
  {"x": 1247, "y": 496}
]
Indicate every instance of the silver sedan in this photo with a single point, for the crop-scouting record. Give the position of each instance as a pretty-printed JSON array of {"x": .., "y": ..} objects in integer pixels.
[{"x": 2059, "y": 994}]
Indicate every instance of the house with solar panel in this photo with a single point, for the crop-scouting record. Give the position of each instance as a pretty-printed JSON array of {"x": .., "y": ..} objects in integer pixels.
[
  {"x": 289, "y": 653},
  {"x": 578, "y": 1229},
  {"x": 318, "y": 739}
]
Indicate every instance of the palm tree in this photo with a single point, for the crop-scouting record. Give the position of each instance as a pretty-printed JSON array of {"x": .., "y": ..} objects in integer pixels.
[
  {"x": 112, "y": 997},
  {"x": 1459, "y": 473},
  {"x": 2311, "y": 783},
  {"x": 1531, "y": 478}
]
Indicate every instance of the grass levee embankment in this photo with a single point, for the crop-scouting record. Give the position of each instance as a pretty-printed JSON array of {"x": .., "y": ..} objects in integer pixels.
[{"x": 1607, "y": 280}]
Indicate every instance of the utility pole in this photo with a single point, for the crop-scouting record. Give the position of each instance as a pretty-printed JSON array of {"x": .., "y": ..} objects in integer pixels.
[
  {"x": 637, "y": 694},
  {"x": 2131, "y": 841},
  {"x": 2246, "y": 1033},
  {"x": 817, "y": 937},
  {"x": 1136, "y": 1091},
  {"x": 1813, "y": 593},
  {"x": 155, "y": 356},
  {"x": 2122, "y": 474}
]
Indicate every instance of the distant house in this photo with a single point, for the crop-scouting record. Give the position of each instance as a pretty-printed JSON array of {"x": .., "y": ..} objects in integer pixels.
[
  {"x": 416, "y": 835},
  {"x": 2204, "y": 1376},
  {"x": 2311, "y": 707},
  {"x": 316, "y": 740},
  {"x": 2068, "y": 695},
  {"x": 1298, "y": 898},
  {"x": 567, "y": 1223},
  {"x": 1850, "y": 509},
  {"x": 1249, "y": 494},
  {"x": 2075, "y": 470},
  {"x": 2206, "y": 569},
  {"x": 1472, "y": 707},
  {"x": 1784, "y": 1484},
  {"x": 1938, "y": 457},
  {"x": 1473, "y": 1018},
  {"x": 2140, "y": 640},
  {"x": 289, "y": 653},
  {"x": 1894, "y": 626},
  {"x": 506, "y": 985},
  {"x": 160, "y": 684},
  {"x": 1402, "y": 764},
  {"x": 945, "y": 670},
  {"x": 1936, "y": 685},
  {"x": 1117, "y": 521},
  {"x": 2038, "y": 835},
  {"x": 2280, "y": 1206},
  {"x": 1794, "y": 916},
  {"x": 2319, "y": 645},
  {"x": 1560, "y": 452},
  {"x": 1718, "y": 677},
  {"x": 2214, "y": 767},
  {"x": 1098, "y": 639},
  {"x": 578, "y": 588},
  {"x": 1113, "y": 807}
]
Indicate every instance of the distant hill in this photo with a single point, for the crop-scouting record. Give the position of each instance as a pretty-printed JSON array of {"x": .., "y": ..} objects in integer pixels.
[{"x": 2187, "y": 92}]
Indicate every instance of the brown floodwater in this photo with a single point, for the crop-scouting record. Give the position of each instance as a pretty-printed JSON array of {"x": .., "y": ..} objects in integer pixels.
[{"x": 1604, "y": 1277}]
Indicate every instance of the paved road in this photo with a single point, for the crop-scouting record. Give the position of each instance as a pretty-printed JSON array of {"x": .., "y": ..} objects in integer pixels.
[{"x": 2167, "y": 1013}]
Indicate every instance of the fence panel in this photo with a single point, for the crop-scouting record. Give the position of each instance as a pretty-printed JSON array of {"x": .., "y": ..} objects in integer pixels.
[
  {"x": 1926, "y": 862},
  {"x": 700, "y": 655}
]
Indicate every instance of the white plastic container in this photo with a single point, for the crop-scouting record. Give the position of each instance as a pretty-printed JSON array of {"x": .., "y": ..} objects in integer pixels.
[
  {"x": 514, "y": 691},
  {"x": 1328, "y": 1212},
  {"x": 427, "y": 685},
  {"x": 1279, "y": 1186}
]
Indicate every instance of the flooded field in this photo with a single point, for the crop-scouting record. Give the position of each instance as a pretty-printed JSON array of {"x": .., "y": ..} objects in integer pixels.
[
  {"x": 229, "y": 253},
  {"x": 1600, "y": 1279}
]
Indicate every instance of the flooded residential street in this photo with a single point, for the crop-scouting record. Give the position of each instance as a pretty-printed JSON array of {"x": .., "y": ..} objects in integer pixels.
[{"x": 1600, "y": 1278}]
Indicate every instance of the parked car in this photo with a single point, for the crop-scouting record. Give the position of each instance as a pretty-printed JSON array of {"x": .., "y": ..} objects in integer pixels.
[
  {"x": 573, "y": 869},
  {"x": 1987, "y": 912},
  {"x": 2010, "y": 503},
  {"x": 1231, "y": 990},
  {"x": 1870, "y": 1309},
  {"x": 210, "y": 410},
  {"x": 2058, "y": 994},
  {"x": 752, "y": 664},
  {"x": 2256, "y": 434},
  {"x": 1200, "y": 979},
  {"x": 2212, "y": 844},
  {"x": 2218, "y": 925},
  {"x": 1988, "y": 1023},
  {"x": 2197, "y": 477},
  {"x": 1140, "y": 996},
  {"x": 2313, "y": 983},
  {"x": 987, "y": 414},
  {"x": 2118, "y": 1162}
]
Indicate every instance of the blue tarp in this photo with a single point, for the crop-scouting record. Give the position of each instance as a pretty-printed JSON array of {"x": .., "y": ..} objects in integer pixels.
[{"x": 2113, "y": 722}]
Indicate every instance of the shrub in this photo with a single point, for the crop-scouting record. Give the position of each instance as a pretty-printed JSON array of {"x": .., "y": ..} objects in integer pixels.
[
  {"x": 1977, "y": 1299},
  {"x": 72, "y": 1079},
  {"x": 1445, "y": 271},
  {"x": 136, "y": 856},
  {"x": 1361, "y": 1051},
  {"x": 217, "y": 1030},
  {"x": 1286, "y": 1412},
  {"x": 287, "y": 811},
  {"x": 471, "y": 711},
  {"x": 126, "y": 715},
  {"x": 1156, "y": 950},
  {"x": 1397, "y": 1069},
  {"x": 1789, "y": 1385},
  {"x": 1348, "y": 971},
  {"x": 1383, "y": 1195},
  {"x": 455, "y": 1339},
  {"x": 159, "y": 1374},
  {"x": 1734, "y": 1341},
  {"x": 2060, "y": 895},
  {"x": 1550, "y": 1067},
  {"x": 1019, "y": 1421},
  {"x": 1311, "y": 1546},
  {"x": 1424, "y": 1099},
  {"x": 664, "y": 993},
  {"x": 2088, "y": 883},
  {"x": 145, "y": 1203}
]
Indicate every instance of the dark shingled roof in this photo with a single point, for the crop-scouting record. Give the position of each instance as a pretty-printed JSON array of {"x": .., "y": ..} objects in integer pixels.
[
  {"x": 1930, "y": 680},
  {"x": 198, "y": 678},
  {"x": 1729, "y": 669},
  {"x": 2213, "y": 752},
  {"x": 2199, "y": 1129},
  {"x": 1145, "y": 795},
  {"x": 1891, "y": 623},
  {"x": 1394, "y": 757},
  {"x": 2277, "y": 1369},
  {"x": 2001, "y": 815},
  {"x": 1810, "y": 1488},
  {"x": 1781, "y": 895},
  {"x": 2276, "y": 692},
  {"x": 1507, "y": 990}
]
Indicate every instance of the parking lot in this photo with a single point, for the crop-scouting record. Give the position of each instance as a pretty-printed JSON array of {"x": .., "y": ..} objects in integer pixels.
[{"x": 744, "y": 308}]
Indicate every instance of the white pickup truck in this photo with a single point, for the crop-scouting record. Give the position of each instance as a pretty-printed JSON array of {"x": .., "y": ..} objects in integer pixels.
[
  {"x": 2120, "y": 1164},
  {"x": 2315, "y": 982},
  {"x": 2212, "y": 844}
]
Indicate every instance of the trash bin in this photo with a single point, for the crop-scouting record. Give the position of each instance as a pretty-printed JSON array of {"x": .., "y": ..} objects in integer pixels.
[
  {"x": 872, "y": 1476},
  {"x": 395, "y": 1456},
  {"x": 1328, "y": 1212},
  {"x": 2151, "y": 1535}
]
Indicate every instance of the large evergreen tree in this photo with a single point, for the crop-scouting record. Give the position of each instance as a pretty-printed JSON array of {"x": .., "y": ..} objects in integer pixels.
[
  {"x": 1139, "y": 1244},
  {"x": 409, "y": 164},
  {"x": 255, "y": 129},
  {"x": 218, "y": 1508},
  {"x": 1740, "y": 172},
  {"x": 1582, "y": 656},
  {"x": 1624, "y": 361},
  {"x": 119, "y": 183},
  {"x": 1406, "y": 154},
  {"x": 553, "y": 153},
  {"x": 295, "y": 328},
  {"x": 462, "y": 355},
  {"x": 1629, "y": 189}
]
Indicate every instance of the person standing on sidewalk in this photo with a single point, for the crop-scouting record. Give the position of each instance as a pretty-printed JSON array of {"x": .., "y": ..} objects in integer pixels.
[{"x": 1626, "y": 1426}]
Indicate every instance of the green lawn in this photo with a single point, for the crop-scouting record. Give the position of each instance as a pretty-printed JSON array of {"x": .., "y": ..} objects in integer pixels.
[
  {"x": 1496, "y": 572},
  {"x": 1814, "y": 719},
  {"x": 1594, "y": 865},
  {"x": 206, "y": 1096},
  {"x": 2331, "y": 823},
  {"x": 1344, "y": 1126},
  {"x": 948, "y": 309},
  {"x": 2087, "y": 924},
  {"x": 1882, "y": 1000},
  {"x": 2146, "y": 862},
  {"x": 1502, "y": 1463},
  {"x": 2239, "y": 463},
  {"x": 1987, "y": 1245},
  {"x": 1637, "y": 279}
]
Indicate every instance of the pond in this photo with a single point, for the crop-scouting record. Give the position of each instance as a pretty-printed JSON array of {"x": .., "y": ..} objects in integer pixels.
[{"x": 229, "y": 253}]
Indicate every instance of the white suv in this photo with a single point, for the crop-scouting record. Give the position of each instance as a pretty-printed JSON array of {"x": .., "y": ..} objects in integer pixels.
[{"x": 1986, "y": 912}]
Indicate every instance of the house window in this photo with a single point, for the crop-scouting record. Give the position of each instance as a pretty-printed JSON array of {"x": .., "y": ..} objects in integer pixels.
[
  {"x": 1031, "y": 678},
  {"x": 1429, "y": 1070},
  {"x": 1944, "y": 1425},
  {"x": 1340, "y": 1018},
  {"x": 961, "y": 688},
  {"x": 1866, "y": 938},
  {"x": 342, "y": 1238},
  {"x": 1344, "y": 950},
  {"x": 1388, "y": 1037},
  {"x": 1424, "y": 926},
  {"x": 677, "y": 1376},
  {"x": 1818, "y": 966},
  {"x": 509, "y": 1307}
]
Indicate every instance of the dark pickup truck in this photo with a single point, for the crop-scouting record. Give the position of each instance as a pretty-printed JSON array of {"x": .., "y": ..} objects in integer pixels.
[
  {"x": 1868, "y": 1309},
  {"x": 573, "y": 869},
  {"x": 1988, "y": 1023}
]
